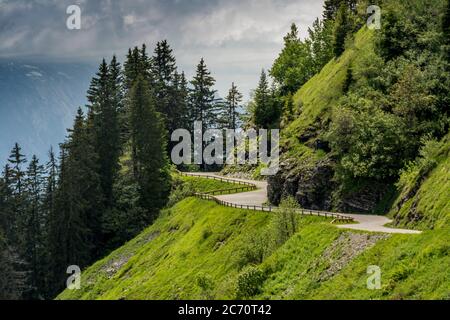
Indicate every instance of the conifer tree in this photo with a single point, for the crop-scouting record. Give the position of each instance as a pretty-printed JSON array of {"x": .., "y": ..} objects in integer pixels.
[
  {"x": 76, "y": 226},
  {"x": 341, "y": 29},
  {"x": 265, "y": 113},
  {"x": 234, "y": 98},
  {"x": 446, "y": 31},
  {"x": 202, "y": 97},
  {"x": 34, "y": 227},
  {"x": 15, "y": 179},
  {"x": 149, "y": 138},
  {"x": 104, "y": 117}
]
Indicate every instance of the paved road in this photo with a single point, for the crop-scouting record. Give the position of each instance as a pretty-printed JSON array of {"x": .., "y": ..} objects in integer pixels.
[{"x": 372, "y": 223}]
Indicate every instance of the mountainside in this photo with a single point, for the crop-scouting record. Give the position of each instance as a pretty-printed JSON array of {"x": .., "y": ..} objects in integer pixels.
[
  {"x": 38, "y": 101},
  {"x": 199, "y": 250},
  {"x": 368, "y": 134}
]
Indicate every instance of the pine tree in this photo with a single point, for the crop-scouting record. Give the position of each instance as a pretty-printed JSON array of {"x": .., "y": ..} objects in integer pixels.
[
  {"x": 7, "y": 217},
  {"x": 75, "y": 229},
  {"x": 148, "y": 137},
  {"x": 137, "y": 64},
  {"x": 446, "y": 31},
  {"x": 292, "y": 36},
  {"x": 265, "y": 114},
  {"x": 331, "y": 7},
  {"x": 234, "y": 98},
  {"x": 104, "y": 118},
  {"x": 180, "y": 99},
  {"x": 49, "y": 213},
  {"x": 33, "y": 227},
  {"x": 341, "y": 29},
  {"x": 202, "y": 97},
  {"x": 12, "y": 281},
  {"x": 15, "y": 179}
]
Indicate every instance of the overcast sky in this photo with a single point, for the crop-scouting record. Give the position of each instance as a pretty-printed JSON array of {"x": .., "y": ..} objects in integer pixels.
[{"x": 237, "y": 38}]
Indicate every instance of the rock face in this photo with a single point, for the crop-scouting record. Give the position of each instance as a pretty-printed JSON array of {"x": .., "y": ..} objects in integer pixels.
[
  {"x": 313, "y": 187},
  {"x": 310, "y": 185}
]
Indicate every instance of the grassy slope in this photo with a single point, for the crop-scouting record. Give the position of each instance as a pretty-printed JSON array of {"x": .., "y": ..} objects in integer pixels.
[
  {"x": 321, "y": 93},
  {"x": 206, "y": 185},
  {"x": 432, "y": 199},
  {"x": 198, "y": 238}
]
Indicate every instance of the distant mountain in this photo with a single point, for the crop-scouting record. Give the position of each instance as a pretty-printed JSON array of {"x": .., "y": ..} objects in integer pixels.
[{"x": 38, "y": 101}]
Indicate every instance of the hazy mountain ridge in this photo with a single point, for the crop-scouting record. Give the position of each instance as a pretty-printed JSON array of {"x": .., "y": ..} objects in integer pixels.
[{"x": 37, "y": 103}]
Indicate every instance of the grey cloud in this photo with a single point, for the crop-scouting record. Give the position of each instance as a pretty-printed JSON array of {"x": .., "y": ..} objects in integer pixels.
[{"x": 236, "y": 37}]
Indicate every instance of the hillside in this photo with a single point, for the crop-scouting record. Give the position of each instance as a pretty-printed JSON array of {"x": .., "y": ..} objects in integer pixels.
[{"x": 199, "y": 250}]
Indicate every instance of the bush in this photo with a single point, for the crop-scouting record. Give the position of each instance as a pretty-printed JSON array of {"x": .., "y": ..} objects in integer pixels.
[
  {"x": 254, "y": 250},
  {"x": 249, "y": 282},
  {"x": 285, "y": 221},
  {"x": 206, "y": 286}
]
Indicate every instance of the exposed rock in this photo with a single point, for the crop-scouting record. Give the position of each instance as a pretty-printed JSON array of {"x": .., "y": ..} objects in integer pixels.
[
  {"x": 344, "y": 249},
  {"x": 114, "y": 266},
  {"x": 309, "y": 184}
]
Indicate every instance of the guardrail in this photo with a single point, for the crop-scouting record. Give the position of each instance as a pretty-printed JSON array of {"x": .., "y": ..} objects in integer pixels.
[
  {"x": 222, "y": 179},
  {"x": 337, "y": 217}
]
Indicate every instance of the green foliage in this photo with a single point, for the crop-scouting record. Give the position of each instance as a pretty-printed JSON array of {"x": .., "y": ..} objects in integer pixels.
[
  {"x": 249, "y": 282},
  {"x": 300, "y": 60},
  {"x": 183, "y": 264},
  {"x": 150, "y": 163},
  {"x": 370, "y": 144},
  {"x": 424, "y": 202},
  {"x": 202, "y": 97},
  {"x": 206, "y": 285},
  {"x": 285, "y": 221},
  {"x": 230, "y": 114},
  {"x": 266, "y": 111},
  {"x": 342, "y": 27}
]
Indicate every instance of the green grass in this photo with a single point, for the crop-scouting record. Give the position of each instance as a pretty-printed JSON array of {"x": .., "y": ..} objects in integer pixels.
[
  {"x": 198, "y": 240},
  {"x": 206, "y": 185},
  {"x": 320, "y": 94},
  {"x": 428, "y": 207}
]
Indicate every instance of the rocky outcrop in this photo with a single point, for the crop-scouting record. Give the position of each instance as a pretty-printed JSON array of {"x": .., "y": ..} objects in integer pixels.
[{"x": 310, "y": 184}]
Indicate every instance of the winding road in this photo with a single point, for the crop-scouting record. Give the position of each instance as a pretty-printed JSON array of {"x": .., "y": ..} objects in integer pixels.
[{"x": 258, "y": 197}]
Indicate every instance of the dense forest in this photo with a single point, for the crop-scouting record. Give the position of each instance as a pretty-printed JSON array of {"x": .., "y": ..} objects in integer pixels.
[{"x": 112, "y": 176}]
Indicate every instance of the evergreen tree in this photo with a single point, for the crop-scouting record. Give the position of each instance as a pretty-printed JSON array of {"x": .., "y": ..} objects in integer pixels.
[
  {"x": 234, "y": 98},
  {"x": 76, "y": 226},
  {"x": 341, "y": 30},
  {"x": 104, "y": 117},
  {"x": 446, "y": 31},
  {"x": 15, "y": 182},
  {"x": 265, "y": 114},
  {"x": 33, "y": 227},
  {"x": 137, "y": 64},
  {"x": 49, "y": 213},
  {"x": 180, "y": 99},
  {"x": 167, "y": 82},
  {"x": 7, "y": 217},
  {"x": 202, "y": 97},
  {"x": 148, "y": 138},
  {"x": 116, "y": 85},
  {"x": 331, "y": 7},
  {"x": 12, "y": 281}
]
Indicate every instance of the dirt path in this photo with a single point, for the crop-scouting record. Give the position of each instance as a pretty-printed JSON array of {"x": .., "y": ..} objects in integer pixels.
[{"x": 364, "y": 222}]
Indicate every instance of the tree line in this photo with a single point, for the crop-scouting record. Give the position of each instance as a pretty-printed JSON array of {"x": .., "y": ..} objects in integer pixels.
[{"x": 112, "y": 174}]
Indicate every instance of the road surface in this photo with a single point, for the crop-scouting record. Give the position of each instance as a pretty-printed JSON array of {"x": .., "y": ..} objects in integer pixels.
[{"x": 364, "y": 222}]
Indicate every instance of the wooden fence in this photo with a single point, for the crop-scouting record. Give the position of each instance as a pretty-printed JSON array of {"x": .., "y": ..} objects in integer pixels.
[{"x": 337, "y": 217}]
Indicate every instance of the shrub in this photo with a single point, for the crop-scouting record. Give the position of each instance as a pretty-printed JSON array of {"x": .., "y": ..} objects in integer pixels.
[
  {"x": 249, "y": 282},
  {"x": 285, "y": 221}
]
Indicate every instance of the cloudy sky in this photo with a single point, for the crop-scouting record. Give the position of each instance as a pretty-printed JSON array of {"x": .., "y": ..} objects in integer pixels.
[{"x": 237, "y": 38}]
